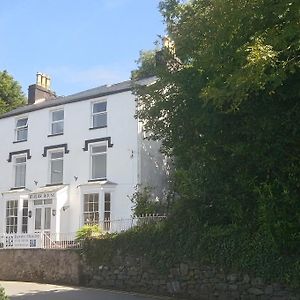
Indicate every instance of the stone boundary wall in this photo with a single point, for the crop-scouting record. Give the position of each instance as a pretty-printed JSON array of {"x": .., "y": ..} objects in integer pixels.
[
  {"x": 186, "y": 280},
  {"x": 39, "y": 265}
]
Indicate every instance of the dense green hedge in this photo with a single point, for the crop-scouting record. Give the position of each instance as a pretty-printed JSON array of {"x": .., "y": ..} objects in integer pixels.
[
  {"x": 234, "y": 249},
  {"x": 2, "y": 294}
]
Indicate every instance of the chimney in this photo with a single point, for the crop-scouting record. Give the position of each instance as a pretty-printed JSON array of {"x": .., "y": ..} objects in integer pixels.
[{"x": 40, "y": 91}]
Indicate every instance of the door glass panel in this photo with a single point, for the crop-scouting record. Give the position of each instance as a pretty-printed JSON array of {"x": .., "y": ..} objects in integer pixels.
[{"x": 47, "y": 223}]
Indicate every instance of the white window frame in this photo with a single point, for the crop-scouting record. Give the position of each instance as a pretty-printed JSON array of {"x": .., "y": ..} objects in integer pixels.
[
  {"x": 98, "y": 113},
  {"x": 50, "y": 164},
  {"x": 95, "y": 212},
  {"x": 10, "y": 215},
  {"x": 106, "y": 220},
  {"x": 25, "y": 216},
  {"x": 91, "y": 146},
  {"x": 18, "y": 128},
  {"x": 15, "y": 165},
  {"x": 58, "y": 121}
]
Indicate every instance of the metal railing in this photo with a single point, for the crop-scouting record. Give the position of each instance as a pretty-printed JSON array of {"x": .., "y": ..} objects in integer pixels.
[{"x": 47, "y": 240}]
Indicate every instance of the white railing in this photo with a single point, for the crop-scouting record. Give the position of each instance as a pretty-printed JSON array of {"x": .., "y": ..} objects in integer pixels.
[
  {"x": 47, "y": 240},
  {"x": 120, "y": 225}
]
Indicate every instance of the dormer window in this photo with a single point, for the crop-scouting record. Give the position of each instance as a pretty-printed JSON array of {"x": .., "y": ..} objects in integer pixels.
[
  {"x": 57, "y": 122},
  {"x": 21, "y": 129},
  {"x": 99, "y": 114}
]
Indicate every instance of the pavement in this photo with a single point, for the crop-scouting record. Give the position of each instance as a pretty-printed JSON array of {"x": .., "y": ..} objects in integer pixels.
[{"x": 36, "y": 291}]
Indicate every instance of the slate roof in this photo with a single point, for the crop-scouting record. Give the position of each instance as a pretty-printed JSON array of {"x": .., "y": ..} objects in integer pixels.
[{"x": 100, "y": 91}]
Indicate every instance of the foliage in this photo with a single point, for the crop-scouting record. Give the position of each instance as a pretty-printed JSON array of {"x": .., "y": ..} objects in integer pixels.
[
  {"x": 146, "y": 65},
  {"x": 226, "y": 107},
  {"x": 2, "y": 294},
  {"x": 144, "y": 204},
  {"x": 87, "y": 232},
  {"x": 11, "y": 95},
  {"x": 164, "y": 245}
]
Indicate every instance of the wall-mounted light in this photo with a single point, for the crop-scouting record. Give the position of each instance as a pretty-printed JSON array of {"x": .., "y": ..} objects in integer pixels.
[
  {"x": 30, "y": 214},
  {"x": 53, "y": 212},
  {"x": 65, "y": 207},
  {"x": 75, "y": 178},
  {"x": 35, "y": 182}
]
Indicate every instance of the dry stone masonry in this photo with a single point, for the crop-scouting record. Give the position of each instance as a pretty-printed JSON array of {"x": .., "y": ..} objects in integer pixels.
[{"x": 186, "y": 280}]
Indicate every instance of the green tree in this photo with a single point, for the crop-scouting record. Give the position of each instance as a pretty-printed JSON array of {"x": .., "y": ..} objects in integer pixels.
[
  {"x": 11, "y": 95},
  {"x": 146, "y": 65},
  {"x": 226, "y": 106}
]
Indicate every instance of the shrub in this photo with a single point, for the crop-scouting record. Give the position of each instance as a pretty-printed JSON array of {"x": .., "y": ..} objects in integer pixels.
[
  {"x": 88, "y": 231},
  {"x": 2, "y": 294}
]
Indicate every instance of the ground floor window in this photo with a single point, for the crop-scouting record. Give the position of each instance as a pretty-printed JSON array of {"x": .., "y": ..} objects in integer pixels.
[
  {"x": 25, "y": 217},
  {"x": 12, "y": 216},
  {"x": 107, "y": 207},
  {"x": 91, "y": 209}
]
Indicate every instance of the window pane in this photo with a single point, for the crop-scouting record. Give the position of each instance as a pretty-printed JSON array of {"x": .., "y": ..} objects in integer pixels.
[
  {"x": 47, "y": 223},
  {"x": 99, "y": 166},
  {"x": 99, "y": 149},
  {"x": 57, "y": 115},
  {"x": 38, "y": 218},
  {"x": 20, "y": 159},
  {"x": 20, "y": 174},
  {"x": 22, "y": 134},
  {"x": 57, "y": 127},
  {"x": 57, "y": 155},
  {"x": 100, "y": 120},
  {"x": 99, "y": 107},
  {"x": 22, "y": 122},
  {"x": 57, "y": 171}
]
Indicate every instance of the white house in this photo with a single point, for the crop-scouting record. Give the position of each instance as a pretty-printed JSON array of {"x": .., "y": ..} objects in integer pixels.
[{"x": 67, "y": 161}]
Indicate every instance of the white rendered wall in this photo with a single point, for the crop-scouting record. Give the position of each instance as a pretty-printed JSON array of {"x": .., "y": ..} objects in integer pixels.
[{"x": 121, "y": 158}]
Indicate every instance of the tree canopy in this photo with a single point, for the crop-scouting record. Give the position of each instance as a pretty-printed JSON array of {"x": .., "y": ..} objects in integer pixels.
[
  {"x": 226, "y": 107},
  {"x": 11, "y": 95}
]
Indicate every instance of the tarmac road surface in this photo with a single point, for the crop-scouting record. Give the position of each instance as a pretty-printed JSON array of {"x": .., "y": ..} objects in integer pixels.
[{"x": 36, "y": 291}]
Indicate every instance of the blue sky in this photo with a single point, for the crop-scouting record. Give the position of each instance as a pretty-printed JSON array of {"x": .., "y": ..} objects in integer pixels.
[{"x": 81, "y": 44}]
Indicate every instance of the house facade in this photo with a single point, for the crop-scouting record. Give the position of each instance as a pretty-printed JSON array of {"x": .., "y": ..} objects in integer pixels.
[{"x": 75, "y": 160}]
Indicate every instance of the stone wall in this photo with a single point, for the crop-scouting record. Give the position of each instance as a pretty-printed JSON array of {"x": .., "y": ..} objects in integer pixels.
[
  {"x": 50, "y": 266},
  {"x": 188, "y": 280}
]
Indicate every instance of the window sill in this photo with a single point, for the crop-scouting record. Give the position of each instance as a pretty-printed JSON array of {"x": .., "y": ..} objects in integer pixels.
[
  {"x": 15, "y": 142},
  {"x": 17, "y": 188},
  {"x": 55, "y": 134},
  {"x": 99, "y": 127},
  {"x": 53, "y": 184},
  {"x": 98, "y": 179}
]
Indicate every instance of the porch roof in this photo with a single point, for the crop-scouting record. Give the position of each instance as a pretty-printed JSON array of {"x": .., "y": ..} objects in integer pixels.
[
  {"x": 99, "y": 183},
  {"x": 46, "y": 191}
]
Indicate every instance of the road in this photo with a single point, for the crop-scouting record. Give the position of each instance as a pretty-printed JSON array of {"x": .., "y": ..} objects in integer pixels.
[{"x": 36, "y": 291}]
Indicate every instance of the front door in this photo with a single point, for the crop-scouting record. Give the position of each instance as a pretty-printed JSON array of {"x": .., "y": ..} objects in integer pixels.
[{"x": 42, "y": 221}]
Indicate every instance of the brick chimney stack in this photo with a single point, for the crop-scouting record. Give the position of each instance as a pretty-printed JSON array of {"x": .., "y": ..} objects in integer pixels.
[{"x": 40, "y": 91}]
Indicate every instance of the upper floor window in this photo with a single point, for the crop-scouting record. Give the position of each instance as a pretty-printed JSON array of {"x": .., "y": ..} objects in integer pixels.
[
  {"x": 98, "y": 161},
  {"x": 56, "y": 166},
  {"x": 21, "y": 129},
  {"x": 99, "y": 114},
  {"x": 57, "y": 122},
  {"x": 20, "y": 170}
]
